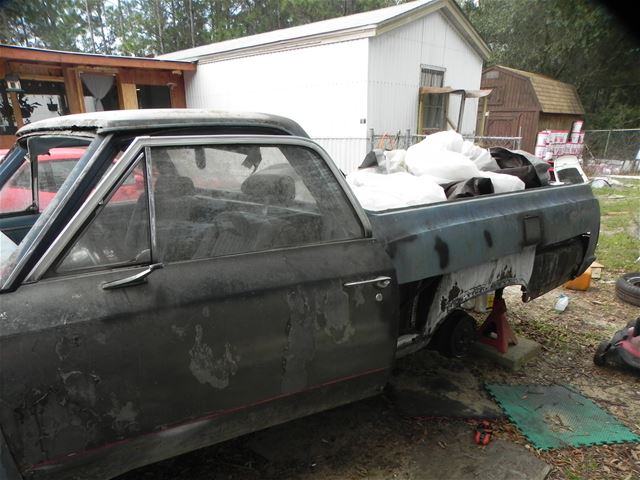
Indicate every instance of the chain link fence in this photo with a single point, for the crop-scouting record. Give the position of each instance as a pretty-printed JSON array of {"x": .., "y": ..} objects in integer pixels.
[
  {"x": 609, "y": 152},
  {"x": 348, "y": 153}
]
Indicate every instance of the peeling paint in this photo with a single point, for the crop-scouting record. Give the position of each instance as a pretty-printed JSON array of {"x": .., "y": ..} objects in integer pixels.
[
  {"x": 124, "y": 416},
  {"x": 458, "y": 287},
  {"x": 80, "y": 388},
  {"x": 332, "y": 305},
  {"x": 358, "y": 296},
  {"x": 179, "y": 331},
  {"x": 63, "y": 348},
  {"x": 300, "y": 347},
  {"x": 207, "y": 367}
]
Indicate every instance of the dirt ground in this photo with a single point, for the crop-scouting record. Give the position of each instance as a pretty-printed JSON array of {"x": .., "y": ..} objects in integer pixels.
[{"x": 371, "y": 439}]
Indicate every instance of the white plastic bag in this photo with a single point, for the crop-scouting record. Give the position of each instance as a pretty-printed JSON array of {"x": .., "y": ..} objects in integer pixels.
[
  {"x": 503, "y": 183},
  {"x": 376, "y": 191},
  {"x": 446, "y": 166},
  {"x": 486, "y": 162},
  {"x": 448, "y": 140},
  {"x": 393, "y": 161},
  {"x": 480, "y": 156}
]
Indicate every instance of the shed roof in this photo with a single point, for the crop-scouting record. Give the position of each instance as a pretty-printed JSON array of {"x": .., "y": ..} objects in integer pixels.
[
  {"x": 350, "y": 27},
  {"x": 554, "y": 96}
]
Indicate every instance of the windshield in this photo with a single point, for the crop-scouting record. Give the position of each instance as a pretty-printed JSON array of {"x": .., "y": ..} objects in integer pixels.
[{"x": 31, "y": 182}]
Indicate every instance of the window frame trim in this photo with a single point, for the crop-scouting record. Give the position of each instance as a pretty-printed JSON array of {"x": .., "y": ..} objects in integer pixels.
[{"x": 142, "y": 145}]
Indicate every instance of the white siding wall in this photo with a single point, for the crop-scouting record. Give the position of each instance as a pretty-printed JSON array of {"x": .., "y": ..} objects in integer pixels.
[
  {"x": 394, "y": 72},
  {"x": 323, "y": 88}
]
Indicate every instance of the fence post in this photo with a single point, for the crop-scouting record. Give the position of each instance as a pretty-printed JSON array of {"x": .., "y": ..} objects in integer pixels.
[
  {"x": 371, "y": 139},
  {"x": 407, "y": 142},
  {"x": 606, "y": 145}
]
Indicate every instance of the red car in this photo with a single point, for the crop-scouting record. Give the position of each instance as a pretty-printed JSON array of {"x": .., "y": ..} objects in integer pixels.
[{"x": 53, "y": 170}]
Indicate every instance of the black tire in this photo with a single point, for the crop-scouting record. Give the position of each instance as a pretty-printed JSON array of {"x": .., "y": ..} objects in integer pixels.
[
  {"x": 456, "y": 335},
  {"x": 600, "y": 357},
  {"x": 628, "y": 288}
]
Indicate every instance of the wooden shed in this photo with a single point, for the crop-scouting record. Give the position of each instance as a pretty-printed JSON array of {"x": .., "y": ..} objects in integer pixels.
[
  {"x": 524, "y": 103},
  {"x": 37, "y": 84}
]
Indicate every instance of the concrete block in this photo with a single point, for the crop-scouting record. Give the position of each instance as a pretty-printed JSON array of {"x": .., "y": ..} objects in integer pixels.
[{"x": 516, "y": 356}]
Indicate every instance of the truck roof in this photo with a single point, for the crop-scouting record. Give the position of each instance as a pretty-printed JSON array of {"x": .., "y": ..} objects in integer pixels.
[{"x": 161, "y": 118}]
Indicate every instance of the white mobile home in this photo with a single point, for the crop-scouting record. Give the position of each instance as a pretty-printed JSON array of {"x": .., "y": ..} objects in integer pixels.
[{"x": 389, "y": 70}]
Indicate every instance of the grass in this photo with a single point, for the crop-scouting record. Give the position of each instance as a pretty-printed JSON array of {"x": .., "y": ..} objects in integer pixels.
[{"x": 619, "y": 244}]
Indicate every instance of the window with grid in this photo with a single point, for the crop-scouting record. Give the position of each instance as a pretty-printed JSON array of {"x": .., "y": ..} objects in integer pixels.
[{"x": 433, "y": 106}]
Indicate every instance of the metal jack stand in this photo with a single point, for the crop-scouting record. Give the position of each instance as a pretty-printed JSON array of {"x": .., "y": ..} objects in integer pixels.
[{"x": 495, "y": 330}]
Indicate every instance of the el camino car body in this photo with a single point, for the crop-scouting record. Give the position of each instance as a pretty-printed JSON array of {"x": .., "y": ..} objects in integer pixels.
[{"x": 237, "y": 286}]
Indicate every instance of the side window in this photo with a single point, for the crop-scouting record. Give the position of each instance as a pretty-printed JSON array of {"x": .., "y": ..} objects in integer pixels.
[
  {"x": 119, "y": 234},
  {"x": 227, "y": 199},
  {"x": 53, "y": 169}
]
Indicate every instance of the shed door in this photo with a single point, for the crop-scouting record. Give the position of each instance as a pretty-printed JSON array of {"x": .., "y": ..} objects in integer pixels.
[{"x": 503, "y": 124}]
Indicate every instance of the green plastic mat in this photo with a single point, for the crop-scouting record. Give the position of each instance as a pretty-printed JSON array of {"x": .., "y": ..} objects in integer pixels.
[{"x": 557, "y": 416}]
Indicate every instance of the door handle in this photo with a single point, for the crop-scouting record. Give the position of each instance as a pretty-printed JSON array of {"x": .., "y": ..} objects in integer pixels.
[
  {"x": 381, "y": 282},
  {"x": 136, "y": 279}
]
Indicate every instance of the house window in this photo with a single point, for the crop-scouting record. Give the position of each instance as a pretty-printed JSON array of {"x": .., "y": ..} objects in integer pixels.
[
  {"x": 39, "y": 99},
  {"x": 153, "y": 96},
  {"x": 100, "y": 92},
  {"x": 433, "y": 111},
  {"x": 431, "y": 78}
]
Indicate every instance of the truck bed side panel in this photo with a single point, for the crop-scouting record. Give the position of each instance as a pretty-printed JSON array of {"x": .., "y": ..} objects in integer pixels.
[{"x": 433, "y": 240}]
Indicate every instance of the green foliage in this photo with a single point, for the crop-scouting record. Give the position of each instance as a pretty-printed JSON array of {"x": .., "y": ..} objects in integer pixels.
[
  {"x": 151, "y": 27},
  {"x": 619, "y": 243},
  {"x": 41, "y": 24},
  {"x": 575, "y": 41}
]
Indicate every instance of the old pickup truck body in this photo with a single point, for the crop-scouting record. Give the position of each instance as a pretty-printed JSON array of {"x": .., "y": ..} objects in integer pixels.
[{"x": 256, "y": 295}]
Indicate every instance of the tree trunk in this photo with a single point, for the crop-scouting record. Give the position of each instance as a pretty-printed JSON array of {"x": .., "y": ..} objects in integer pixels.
[
  {"x": 93, "y": 40},
  {"x": 193, "y": 33},
  {"x": 159, "y": 25}
]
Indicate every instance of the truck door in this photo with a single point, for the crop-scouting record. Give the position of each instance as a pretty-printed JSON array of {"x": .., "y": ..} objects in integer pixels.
[{"x": 240, "y": 289}]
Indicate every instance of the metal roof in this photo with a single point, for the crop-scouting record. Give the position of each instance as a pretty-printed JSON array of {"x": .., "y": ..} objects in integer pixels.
[
  {"x": 554, "y": 96},
  {"x": 161, "y": 118},
  {"x": 360, "y": 25}
]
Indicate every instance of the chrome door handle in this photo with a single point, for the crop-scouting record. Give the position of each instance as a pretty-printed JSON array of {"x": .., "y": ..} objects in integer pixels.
[
  {"x": 136, "y": 279},
  {"x": 381, "y": 282}
]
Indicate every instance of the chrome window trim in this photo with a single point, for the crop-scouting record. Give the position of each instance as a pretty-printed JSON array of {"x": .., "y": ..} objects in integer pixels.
[
  {"x": 151, "y": 203},
  {"x": 97, "y": 197},
  {"x": 61, "y": 204},
  {"x": 107, "y": 183}
]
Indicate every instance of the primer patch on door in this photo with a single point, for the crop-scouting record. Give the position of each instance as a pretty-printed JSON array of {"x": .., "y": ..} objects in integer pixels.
[
  {"x": 300, "y": 347},
  {"x": 332, "y": 314},
  {"x": 209, "y": 367},
  {"x": 124, "y": 416}
]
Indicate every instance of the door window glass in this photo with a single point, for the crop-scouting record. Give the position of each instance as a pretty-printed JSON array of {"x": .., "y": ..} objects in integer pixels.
[
  {"x": 54, "y": 164},
  {"x": 227, "y": 199},
  {"x": 119, "y": 234}
]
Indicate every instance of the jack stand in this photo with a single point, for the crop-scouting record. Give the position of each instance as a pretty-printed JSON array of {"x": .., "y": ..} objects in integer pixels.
[{"x": 497, "y": 323}]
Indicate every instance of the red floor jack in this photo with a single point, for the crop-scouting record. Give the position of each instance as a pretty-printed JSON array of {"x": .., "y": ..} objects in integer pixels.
[{"x": 495, "y": 330}]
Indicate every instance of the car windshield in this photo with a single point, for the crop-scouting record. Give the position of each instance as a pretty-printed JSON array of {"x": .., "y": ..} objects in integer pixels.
[{"x": 32, "y": 178}]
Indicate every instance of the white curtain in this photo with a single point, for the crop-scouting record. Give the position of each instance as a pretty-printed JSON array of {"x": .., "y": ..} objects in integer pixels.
[{"x": 99, "y": 86}]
